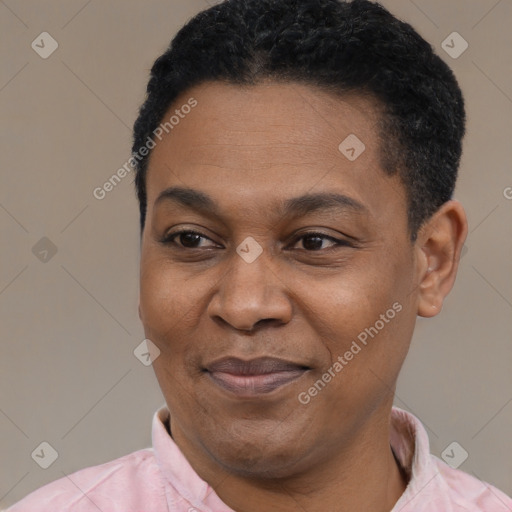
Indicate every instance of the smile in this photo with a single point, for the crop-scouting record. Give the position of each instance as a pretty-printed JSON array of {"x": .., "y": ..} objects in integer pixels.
[{"x": 255, "y": 377}]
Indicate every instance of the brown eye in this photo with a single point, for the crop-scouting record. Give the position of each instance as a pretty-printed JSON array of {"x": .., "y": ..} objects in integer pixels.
[
  {"x": 187, "y": 239},
  {"x": 319, "y": 241},
  {"x": 312, "y": 242}
]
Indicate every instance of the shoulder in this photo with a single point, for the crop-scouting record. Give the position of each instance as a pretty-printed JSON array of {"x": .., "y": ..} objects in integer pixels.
[
  {"x": 468, "y": 493},
  {"x": 120, "y": 484},
  {"x": 433, "y": 484}
]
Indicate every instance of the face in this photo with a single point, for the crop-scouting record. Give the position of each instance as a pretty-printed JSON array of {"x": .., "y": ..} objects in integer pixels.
[{"x": 278, "y": 279}]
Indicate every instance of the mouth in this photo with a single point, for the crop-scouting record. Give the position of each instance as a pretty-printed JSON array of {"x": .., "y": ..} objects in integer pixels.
[{"x": 255, "y": 377}]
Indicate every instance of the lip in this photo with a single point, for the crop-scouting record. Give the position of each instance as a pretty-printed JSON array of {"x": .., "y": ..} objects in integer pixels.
[{"x": 255, "y": 377}]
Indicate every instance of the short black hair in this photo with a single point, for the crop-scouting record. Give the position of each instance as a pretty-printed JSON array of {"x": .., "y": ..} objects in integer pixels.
[{"x": 343, "y": 47}]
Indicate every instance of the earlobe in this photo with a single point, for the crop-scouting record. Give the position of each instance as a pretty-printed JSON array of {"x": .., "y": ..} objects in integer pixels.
[{"x": 439, "y": 244}]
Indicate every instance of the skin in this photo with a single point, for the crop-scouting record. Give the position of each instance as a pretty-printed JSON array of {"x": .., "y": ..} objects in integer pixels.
[{"x": 303, "y": 299}]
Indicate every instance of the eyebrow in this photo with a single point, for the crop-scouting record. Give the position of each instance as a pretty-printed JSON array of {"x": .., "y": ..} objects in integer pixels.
[{"x": 296, "y": 206}]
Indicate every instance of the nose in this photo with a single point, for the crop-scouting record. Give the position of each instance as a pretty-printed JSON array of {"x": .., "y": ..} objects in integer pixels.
[{"x": 250, "y": 294}]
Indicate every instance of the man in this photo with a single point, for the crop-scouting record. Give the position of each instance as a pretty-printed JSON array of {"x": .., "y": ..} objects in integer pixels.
[{"x": 296, "y": 162}]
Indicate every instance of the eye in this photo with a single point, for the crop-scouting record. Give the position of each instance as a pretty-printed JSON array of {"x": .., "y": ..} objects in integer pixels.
[
  {"x": 311, "y": 242},
  {"x": 316, "y": 241},
  {"x": 188, "y": 239}
]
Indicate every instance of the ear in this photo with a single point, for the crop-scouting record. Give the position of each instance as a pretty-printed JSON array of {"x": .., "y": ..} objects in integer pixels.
[{"x": 439, "y": 245}]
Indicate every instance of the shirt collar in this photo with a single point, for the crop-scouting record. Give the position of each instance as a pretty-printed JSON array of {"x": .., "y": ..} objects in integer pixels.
[
  {"x": 408, "y": 439},
  {"x": 175, "y": 468},
  {"x": 410, "y": 443}
]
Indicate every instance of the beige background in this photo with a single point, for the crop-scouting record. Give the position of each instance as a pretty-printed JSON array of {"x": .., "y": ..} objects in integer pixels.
[{"x": 69, "y": 325}]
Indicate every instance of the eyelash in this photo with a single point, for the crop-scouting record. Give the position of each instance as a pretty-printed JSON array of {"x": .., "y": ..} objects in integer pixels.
[{"x": 169, "y": 239}]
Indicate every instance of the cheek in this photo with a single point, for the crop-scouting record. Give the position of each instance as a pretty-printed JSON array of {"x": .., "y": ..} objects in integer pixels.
[
  {"x": 167, "y": 310},
  {"x": 166, "y": 300},
  {"x": 365, "y": 313}
]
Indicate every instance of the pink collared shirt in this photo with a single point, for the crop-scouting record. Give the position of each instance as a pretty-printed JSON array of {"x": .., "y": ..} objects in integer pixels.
[{"x": 160, "y": 479}]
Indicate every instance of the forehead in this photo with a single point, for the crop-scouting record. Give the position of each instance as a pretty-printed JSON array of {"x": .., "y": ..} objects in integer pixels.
[
  {"x": 271, "y": 139},
  {"x": 255, "y": 119}
]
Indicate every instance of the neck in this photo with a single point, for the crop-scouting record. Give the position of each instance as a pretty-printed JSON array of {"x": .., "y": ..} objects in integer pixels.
[{"x": 363, "y": 475}]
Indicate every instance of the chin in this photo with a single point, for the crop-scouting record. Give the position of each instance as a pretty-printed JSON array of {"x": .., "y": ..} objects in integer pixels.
[{"x": 262, "y": 456}]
